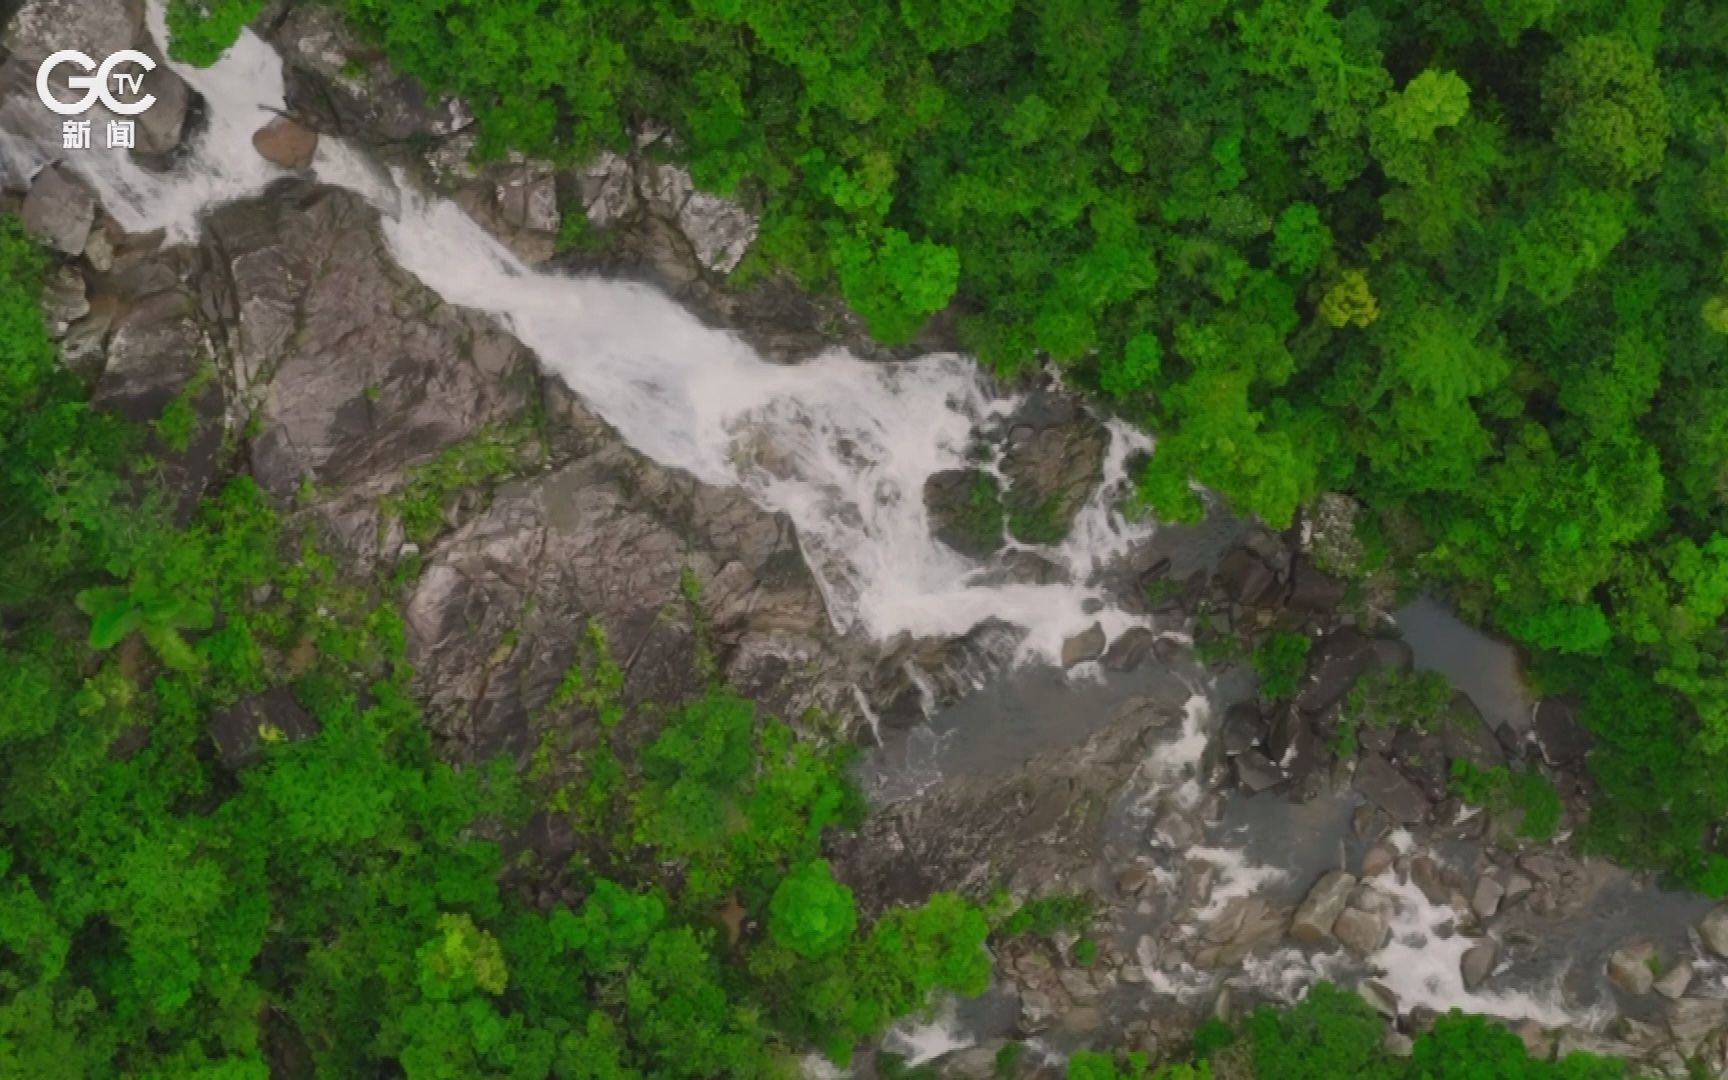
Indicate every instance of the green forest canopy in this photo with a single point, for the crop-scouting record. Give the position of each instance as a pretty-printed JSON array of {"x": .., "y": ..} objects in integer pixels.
[{"x": 1466, "y": 260}]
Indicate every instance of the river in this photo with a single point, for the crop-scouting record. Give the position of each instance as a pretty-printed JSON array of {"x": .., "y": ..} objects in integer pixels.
[{"x": 844, "y": 447}]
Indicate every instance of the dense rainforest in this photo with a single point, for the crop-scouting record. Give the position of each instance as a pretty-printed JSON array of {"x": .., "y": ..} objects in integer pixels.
[
  {"x": 190, "y": 892},
  {"x": 1464, "y": 260},
  {"x": 1467, "y": 261}
]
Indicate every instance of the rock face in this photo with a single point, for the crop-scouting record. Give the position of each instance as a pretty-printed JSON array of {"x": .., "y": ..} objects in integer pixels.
[
  {"x": 1387, "y": 788},
  {"x": 59, "y": 210},
  {"x": 286, "y": 142},
  {"x": 1054, "y": 458},
  {"x": 355, "y": 369},
  {"x": 1034, "y": 826},
  {"x": 334, "y": 79},
  {"x": 357, "y": 375},
  {"x": 965, "y": 508}
]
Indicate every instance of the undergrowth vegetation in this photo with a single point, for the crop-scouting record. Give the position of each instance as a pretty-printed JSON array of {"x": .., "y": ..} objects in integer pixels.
[{"x": 335, "y": 898}]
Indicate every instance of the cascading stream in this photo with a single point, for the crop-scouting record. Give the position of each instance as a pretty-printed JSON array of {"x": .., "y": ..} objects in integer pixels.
[{"x": 841, "y": 446}]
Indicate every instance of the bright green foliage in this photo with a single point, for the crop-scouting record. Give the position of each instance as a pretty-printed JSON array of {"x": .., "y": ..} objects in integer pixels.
[
  {"x": 158, "y": 613},
  {"x": 1280, "y": 661},
  {"x": 1350, "y": 302},
  {"x": 1609, "y": 111},
  {"x": 811, "y": 913},
  {"x": 200, "y": 31}
]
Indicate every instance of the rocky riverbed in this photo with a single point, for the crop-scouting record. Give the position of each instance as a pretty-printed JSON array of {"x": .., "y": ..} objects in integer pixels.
[{"x": 1235, "y": 847}]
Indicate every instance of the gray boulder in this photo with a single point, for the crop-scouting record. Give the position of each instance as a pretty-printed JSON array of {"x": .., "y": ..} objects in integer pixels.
[
  {"x": 1478, "y": 963},
  {"x": 1562, "y": 738},
  {"x": 1334, "y": 665},
  {"x": 1361, "y": 932},
  {"x": 1314, "y": 590},
  {"x": 965, "y": 508},
  {"x": 161, "y": 127},
  {"x": 1386, "y": 788},
  {"x": 1629, "y": 968},
  {"x": 243, "y": 733},
  {"x": 1315, "y": 918},
  {"x": 1675, "y": 981},
  {"x": 1053, "y": 459},
  {"x": 1714, "y": 931},
  {"x": 59, "y": 210}
]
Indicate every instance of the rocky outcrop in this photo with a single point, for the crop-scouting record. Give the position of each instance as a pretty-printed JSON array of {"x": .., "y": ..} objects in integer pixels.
[
  {"x": 343, "y": 87},
  {"x": 59, "y": 210},
  {"x": 1031, "y": 829},
  {"x": 965, "y": 508},
  {"x": 354, "y": 376},
  {"x": 1053, "y": 457}
]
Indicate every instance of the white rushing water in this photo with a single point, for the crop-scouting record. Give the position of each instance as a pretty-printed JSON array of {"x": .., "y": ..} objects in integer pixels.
[{"x": 841, "y": 446}]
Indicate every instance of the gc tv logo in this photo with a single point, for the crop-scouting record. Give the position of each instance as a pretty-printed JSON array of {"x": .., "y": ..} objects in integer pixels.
[{"x": 95, "y": 86}]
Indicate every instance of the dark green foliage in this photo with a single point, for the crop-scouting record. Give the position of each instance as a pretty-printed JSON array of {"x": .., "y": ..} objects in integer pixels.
[
  {"x": 1048, "y": 915},
  {"x": 1499, "y": 788},
  {"x": 1386, "y": 699},
  {"x": 1332, "y": 1033},
  {"x": 1279, "y": 662}
]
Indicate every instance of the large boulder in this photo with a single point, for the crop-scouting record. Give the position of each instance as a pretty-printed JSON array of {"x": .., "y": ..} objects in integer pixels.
[
  {"x": 1478, "y": 963},
  {"x": 162, "y": 126},
  {"x": 1559, "y": 733},
  {"x": 1334, "y": 665},
  {"x": 1466, "y": 735},
  {"x": 243, "y": 733},
  {"x": 59, "y": 210},
  {"x": 1629, "y": 968},
  {"x": 1314, "y": 590},
  {"x": 1053, "y": 459},
  {"x": 1314, "y": 919},
  {"x": 1713, "y": 931},
  {"x": 1386, "y": 788},
  {"x": 286, "y": 143},
  {"x": 965, "y": 508}
]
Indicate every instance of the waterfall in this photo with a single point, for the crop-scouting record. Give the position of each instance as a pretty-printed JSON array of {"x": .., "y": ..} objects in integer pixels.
[{"x": 841, "y": 446}]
